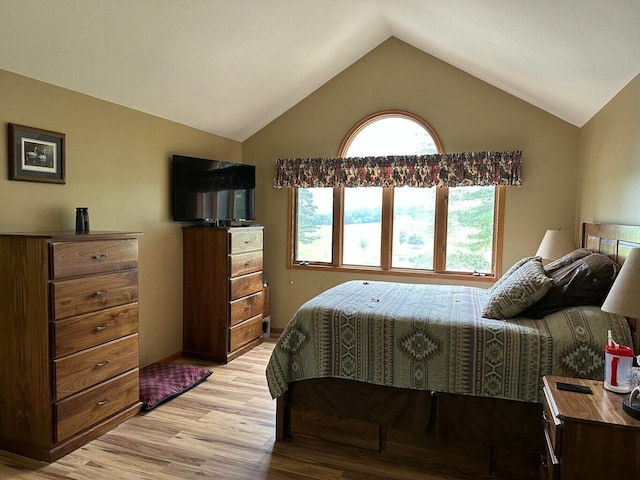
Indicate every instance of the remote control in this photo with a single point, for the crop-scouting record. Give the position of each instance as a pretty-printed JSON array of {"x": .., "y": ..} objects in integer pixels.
[{"x": 571, "y": 387}]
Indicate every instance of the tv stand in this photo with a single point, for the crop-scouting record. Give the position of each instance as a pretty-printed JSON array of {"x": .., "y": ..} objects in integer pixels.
[
  {"x": 217, "y": 223},
  {"x": 227, "y": 223}
]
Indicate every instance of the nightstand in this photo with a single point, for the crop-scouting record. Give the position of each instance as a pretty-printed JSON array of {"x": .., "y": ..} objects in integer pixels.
[{"x": 587, "y": 436}]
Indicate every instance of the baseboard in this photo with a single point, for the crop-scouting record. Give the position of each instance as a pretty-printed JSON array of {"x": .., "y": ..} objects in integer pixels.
[{"x": 171, "y": 358}]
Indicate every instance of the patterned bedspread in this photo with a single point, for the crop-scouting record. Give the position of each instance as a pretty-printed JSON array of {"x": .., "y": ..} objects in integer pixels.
[{"x": 433, "y": 337}]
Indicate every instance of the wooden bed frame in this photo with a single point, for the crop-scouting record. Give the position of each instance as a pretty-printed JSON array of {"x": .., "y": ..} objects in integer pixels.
[
  {"x": 456, "y": 434},
  {"x": 615, "y": 241}
]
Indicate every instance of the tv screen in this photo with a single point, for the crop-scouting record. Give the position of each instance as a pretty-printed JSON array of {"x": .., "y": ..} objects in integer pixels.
[{"x": 212, "y": 190}]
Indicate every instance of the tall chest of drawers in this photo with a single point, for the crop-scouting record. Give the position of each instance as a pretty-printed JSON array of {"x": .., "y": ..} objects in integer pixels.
[
  {"x": 222, "y": 291},
  {"x": 69, "y": 342}
]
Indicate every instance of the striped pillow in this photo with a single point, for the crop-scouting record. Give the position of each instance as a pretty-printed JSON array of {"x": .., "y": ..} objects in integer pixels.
[
  {"x": 518, "y": 291},
  {"x": 509, "y": 272}
]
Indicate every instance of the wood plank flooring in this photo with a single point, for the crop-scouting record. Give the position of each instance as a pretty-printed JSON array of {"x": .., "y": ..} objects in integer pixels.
[{"x": 222, "y": 429}]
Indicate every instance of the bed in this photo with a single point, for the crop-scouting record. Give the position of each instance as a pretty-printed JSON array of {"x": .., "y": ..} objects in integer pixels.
[{"x": 415, "y": 372}]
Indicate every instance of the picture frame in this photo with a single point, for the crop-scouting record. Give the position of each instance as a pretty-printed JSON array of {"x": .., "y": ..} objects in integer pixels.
[{"x": 36, "y": 155}]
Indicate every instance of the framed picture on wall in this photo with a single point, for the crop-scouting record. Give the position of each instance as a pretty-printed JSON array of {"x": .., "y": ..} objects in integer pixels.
[{"x": 36, "y": 155}]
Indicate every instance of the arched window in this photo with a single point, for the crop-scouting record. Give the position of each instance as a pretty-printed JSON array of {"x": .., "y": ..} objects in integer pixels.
[{"x": 401, "y": 230}]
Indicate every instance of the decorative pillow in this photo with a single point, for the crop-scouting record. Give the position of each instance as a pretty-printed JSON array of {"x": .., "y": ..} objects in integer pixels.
[
  {"x": 583, "y": 282},
  {"x": 160, "y": 382},
  {"x": 512, "y": 269},
  {"x": 525, "y": 286},
  {"x": 565, "y": 260}
]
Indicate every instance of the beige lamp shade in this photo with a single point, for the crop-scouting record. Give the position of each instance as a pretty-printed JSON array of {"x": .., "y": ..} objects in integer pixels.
[
  {"x": 624, "y": 296},
  {"x": 555, "y": 244}
]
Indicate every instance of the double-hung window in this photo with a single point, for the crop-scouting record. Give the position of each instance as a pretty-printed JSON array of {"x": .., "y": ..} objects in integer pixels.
[{"x": 391, "y": 229}]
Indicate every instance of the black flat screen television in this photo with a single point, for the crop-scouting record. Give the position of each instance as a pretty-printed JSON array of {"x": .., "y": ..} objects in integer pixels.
[{"x": 212, "y": 191}]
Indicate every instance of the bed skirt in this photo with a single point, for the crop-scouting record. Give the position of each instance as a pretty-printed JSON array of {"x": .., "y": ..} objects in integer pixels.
[{"x": 468, "y": 435}]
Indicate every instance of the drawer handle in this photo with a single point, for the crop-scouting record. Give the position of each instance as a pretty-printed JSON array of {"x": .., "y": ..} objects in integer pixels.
[
  {"x": 102, "y": 364},
  {"x": 100, "y": 328},
  {"x": 543, "y": 461},
  {"x": 100, "y": 257},
  {"x": 100, "y": 293},
  {"x": 104, "y": 401}
]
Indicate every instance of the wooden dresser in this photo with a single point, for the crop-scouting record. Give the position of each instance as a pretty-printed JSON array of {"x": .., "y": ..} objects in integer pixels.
[
  {"x": 69, "y": 342},
  {"x": 223, "y": 291},
  {"x": 588, "y": 436}
]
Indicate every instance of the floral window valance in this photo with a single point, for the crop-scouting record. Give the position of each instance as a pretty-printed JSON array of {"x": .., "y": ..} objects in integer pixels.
[{"x": 438, "y": 170}]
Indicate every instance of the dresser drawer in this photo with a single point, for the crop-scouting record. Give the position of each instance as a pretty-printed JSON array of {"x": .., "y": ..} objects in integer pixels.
[
  {"x": 78, "y": 371},
  {"x": 72, "y": 259},
  {"x": 244, "y": 263},
  {"x": 246, "y": 307},
  {"x": 77, "y": 333},
  {"x": 245, "y": 285},
  {"x": 89, "y": 407},
  {"x": 245, "y": 240},
  {"x": 245, "y": 332},
  {"x": 84, "y": 295},
  {"x": 549, "y": 463},
  {"x": 552, "y": 425}
]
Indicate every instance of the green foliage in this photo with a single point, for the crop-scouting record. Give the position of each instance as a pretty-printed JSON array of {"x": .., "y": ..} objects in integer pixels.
[
  {"x": 307, "y": 218},
  {"x": 466, "y": 261},
  {"x": 415, "y": 239},
  {"x": 478, "y": 217},
  {"x": 362, "y": 215},
  {"x": 421, "y": 259}
]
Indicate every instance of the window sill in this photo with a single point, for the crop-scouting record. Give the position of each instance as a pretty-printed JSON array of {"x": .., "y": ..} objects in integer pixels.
[{"x": 425, "y": 274}]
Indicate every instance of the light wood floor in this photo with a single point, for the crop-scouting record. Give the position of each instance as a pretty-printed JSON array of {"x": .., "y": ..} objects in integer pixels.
[{"x": 222, "y": 429}]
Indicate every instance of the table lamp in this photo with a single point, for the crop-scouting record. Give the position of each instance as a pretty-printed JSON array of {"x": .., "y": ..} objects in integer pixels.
[
  {"x": 624, "y": 299},
  {"x": 555, "y": 244}
]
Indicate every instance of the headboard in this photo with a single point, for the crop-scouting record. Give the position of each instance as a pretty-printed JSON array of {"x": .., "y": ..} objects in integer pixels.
[{"x": 615, "y": 241}]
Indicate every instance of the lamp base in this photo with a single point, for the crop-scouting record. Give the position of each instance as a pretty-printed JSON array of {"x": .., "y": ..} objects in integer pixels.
[{"x": 631, "y": 407}]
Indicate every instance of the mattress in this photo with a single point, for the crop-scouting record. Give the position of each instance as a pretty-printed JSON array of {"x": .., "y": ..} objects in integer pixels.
[{"x": 434, "y": 338}]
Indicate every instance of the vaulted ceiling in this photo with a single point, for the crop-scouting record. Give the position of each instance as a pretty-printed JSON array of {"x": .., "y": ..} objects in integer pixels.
[{"x": 230, "y": 67}]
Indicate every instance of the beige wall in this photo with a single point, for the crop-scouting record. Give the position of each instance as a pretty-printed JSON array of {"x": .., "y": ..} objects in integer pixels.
[
  {"x": 117, "y": 164},
  {"x": 467, "y": 114},
  {"x": 609, "y": 173}
]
